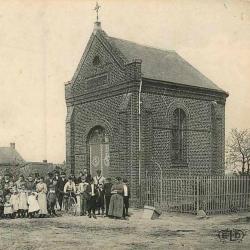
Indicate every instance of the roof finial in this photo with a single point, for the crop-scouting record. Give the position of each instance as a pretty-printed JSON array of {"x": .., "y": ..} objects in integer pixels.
[{"x": 97, "y": 7}]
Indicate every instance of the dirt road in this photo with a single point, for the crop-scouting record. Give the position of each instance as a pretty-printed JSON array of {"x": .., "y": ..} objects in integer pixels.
[{"x": 171, "y": 231}]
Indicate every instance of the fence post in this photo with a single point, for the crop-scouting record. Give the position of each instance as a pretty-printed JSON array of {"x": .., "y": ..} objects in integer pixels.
[
  {"x": 161, "y": 187},
  {"x": 161, "y": 182},
  {"x": 197, "y": 195}
]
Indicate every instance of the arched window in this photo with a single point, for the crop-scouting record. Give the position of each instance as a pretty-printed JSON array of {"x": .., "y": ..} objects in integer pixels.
[{"x": 179, "y": 131}]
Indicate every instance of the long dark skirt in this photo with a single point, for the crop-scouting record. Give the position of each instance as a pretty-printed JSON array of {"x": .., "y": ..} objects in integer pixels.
[
  {"x": 51, "y": 201},
  {"x": 100, "y": 200},
  {"x": 91, "y": 203},
  {"x": 116, "y": 206}
]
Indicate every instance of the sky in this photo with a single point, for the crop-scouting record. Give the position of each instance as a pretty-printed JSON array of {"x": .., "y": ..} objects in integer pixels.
[{"x": 42, "y": 41}]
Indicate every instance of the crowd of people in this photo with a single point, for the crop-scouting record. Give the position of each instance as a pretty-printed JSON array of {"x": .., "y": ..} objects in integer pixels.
[{"x": 36, "y": 196}]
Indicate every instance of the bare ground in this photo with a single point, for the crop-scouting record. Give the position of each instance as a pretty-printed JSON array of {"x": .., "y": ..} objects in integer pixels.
[{"x": 171, "y": 231}]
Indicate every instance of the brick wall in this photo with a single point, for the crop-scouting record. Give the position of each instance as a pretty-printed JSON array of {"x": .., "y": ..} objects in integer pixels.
[
  {"x": 205, "y": 131},
  {"x": 107, "y": 95}
]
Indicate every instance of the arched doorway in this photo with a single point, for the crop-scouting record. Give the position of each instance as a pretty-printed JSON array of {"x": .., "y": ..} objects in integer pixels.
[{"x": 98, "y": 147}]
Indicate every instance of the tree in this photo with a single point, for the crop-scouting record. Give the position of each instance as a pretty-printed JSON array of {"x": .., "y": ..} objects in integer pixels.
[{"x": 238, "y": 150}]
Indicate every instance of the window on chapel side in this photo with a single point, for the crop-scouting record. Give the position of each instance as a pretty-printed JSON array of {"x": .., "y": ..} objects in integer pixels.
[{"x": 178, "y": 145}]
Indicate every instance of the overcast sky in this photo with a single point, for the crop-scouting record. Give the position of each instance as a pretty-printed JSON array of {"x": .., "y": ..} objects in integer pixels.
[{"x": 41, "y": 43}]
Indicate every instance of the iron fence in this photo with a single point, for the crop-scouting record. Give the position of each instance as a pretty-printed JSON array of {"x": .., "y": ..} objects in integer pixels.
[{"x": 213, "y": 194}]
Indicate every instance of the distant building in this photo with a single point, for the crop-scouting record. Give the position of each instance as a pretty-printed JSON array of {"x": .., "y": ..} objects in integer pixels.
[
  {"x": 37, "y": 167},
  {"x": 13, "y": 163},
  {"x": 10, "y": 159},
  {"x": 132, "y": 109}
]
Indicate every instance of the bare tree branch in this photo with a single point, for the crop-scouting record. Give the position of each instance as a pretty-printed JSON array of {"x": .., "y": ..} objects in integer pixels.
[{"x": 238, "y": 149}]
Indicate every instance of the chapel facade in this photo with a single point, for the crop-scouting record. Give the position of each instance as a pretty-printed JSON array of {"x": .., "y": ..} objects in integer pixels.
[{"x": 134, "y": 109}]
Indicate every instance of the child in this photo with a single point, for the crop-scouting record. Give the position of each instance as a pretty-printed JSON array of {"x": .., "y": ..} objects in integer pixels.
[
  {"x": 14, "y": 201},
  {"x": 6, "y": 190},
  {"x": 11, "y": 185},
  {"x": 8, "y": 207},
  {"x": 23, "y": 202},
  {"x": 33, "y": 205}
]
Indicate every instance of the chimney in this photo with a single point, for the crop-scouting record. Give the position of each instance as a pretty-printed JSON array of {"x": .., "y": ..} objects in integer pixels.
[
  {"x": 97, "y": 26},
  {"x": 44, "y": 161},
  {"x": 12, "y": 145}
]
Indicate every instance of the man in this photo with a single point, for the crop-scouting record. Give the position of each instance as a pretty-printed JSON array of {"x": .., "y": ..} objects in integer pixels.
[
  {"x": 70, "y": 189},
  {"x": 85, "y": 172},
  {"x": 51, "y": 196},
  {"x": 107, "y": 193},
  {"x": 57, "y": 176},
  {"x": 99, "y": 181},
  {"x": 126, "y": 195},
  {"x": 60, "y": 189},
  {"x": 91, "y": 190},
  {"x": 70, "y": 185},
  {"x": 79, "y": 179},
  {"x": 57, "y": 179},
  {"x": 83, "y": 196}
]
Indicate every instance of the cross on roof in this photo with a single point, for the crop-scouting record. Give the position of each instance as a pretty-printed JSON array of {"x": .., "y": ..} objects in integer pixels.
[{"x": 97, "y": 7}]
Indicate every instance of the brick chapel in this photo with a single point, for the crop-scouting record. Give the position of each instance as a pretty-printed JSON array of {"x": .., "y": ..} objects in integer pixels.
[{"x": 134, "y": 109}]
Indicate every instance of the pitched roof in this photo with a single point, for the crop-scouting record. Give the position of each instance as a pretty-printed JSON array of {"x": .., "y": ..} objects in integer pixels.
[
  {"x": 10, "y": 156},
  {"x": 163, "y": 65}
]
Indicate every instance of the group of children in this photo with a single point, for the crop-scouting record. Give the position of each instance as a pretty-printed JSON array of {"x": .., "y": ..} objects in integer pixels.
[
  {"x": 18, "y": 199},
  {"x": 35, "y": 196}
]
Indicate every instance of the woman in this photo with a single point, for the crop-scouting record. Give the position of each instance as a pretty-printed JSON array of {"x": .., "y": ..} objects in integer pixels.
[
  {"x": 51, "y": 196},
  {"x": 116, "y": 201},
  {"x": 41, "y": 189}
]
